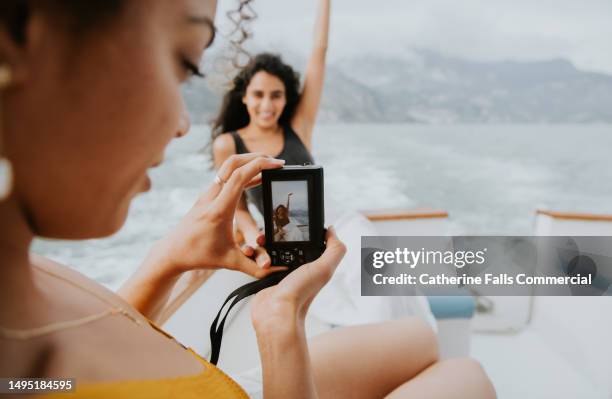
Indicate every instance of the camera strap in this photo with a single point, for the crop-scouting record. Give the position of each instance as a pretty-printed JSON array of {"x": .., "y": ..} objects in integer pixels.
[{"x": 216, "y": 329}]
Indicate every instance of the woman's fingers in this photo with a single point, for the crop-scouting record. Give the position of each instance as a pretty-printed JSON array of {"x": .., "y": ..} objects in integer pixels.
[
  {"x": 258, "y": 254},
  {"x": 261, "y": 239},
  {"x": 256, "y": 181},
  {"x": 326, "y": 265},
  {"x": 249, "y": 266},
  {"x": 262, "y": 258},
  {"x": 228, "y": 198},
  {"x": 225, "y": 171},
  {"x": 248, "y": 250},
  {"x": 307, "y": 280},
  {"x": 234, "y": 162}
]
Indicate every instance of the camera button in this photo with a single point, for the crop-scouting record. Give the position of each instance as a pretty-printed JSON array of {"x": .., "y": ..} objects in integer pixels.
[{"x": 287, "y": 257}]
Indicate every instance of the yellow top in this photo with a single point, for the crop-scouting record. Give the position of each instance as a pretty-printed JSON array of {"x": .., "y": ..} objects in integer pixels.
[{"x": 210, "y": 383}]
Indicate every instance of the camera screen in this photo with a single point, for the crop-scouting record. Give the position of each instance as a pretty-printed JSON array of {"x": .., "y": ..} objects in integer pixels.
[{"x": 290, "y": 210}]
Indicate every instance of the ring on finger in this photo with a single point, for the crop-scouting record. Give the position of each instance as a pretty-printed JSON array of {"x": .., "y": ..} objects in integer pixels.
[{"x": 219, "y": 180}]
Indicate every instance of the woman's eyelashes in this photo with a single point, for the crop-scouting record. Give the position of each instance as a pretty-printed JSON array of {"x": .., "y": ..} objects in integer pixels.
[{"x": 191, "y": 68}]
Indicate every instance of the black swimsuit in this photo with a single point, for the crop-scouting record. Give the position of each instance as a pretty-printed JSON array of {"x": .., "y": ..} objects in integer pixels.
[{"x": 294, "y": 152}]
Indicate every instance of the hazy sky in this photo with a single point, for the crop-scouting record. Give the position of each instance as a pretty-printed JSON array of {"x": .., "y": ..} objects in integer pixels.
[{"x": 475, "y": 29}]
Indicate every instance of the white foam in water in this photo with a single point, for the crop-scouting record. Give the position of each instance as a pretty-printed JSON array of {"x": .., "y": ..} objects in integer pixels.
[{"x": 490, "y": 179}]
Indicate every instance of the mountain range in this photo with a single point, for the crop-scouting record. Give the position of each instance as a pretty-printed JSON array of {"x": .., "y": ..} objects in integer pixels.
[{"x": 422, "y": 86}]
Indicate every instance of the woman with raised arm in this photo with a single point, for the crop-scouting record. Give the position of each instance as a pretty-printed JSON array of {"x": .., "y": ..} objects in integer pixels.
[
  {"x": 90, "y": 98},
  {"x": 286, "y": 229},
  {"x": 265, "y": 112}
]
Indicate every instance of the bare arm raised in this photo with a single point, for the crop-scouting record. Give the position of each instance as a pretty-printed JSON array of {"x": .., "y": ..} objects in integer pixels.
[{"x": 306, "y": 112}]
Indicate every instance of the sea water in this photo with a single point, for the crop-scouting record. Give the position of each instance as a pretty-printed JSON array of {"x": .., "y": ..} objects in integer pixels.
[{"x": 490, "y": 179}]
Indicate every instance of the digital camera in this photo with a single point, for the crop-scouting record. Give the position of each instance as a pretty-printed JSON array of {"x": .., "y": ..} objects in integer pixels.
[{"x": 293, "y": 214}]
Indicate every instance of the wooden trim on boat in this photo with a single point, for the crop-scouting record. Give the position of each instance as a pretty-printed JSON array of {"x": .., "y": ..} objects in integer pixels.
[
  {"x": 378, "y": 215},
  {"x": 575, "y": 216}
]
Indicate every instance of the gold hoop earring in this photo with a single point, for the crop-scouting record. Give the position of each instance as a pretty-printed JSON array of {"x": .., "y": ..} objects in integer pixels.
[{"x": 6, "y": 168}]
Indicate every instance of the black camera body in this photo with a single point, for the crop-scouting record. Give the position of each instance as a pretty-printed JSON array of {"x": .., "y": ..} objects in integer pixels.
[{"x": 294, "y": 214}]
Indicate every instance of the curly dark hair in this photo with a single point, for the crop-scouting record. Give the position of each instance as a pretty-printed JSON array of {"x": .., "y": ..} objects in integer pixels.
[
  {"x": 233, "y": 114},
  {"x": 240, "y": 17}
]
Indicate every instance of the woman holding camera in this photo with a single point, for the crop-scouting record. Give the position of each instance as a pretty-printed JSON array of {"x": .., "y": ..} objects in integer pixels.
[{"x": 75, "y": 147}]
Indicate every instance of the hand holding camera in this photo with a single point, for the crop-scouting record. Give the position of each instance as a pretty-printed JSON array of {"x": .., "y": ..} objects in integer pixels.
[
  {"x": 296, "y": 237},
  {"x": 289, "y": 300},
  {"x": 294, "y": 219},
  {"x": 204, "y": 238}
]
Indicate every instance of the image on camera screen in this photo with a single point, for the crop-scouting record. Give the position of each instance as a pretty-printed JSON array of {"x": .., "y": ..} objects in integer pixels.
[{"x": 290, "y": 210}]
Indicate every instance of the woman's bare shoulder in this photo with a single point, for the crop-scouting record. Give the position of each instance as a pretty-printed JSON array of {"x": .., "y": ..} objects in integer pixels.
[
  {"x": 223, "y": 147},
  {"x": 87, "y": 286},
  {"x": 224, "y": 143},
  {"x": 111, "y": 348}
]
